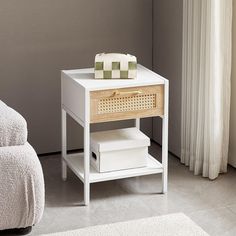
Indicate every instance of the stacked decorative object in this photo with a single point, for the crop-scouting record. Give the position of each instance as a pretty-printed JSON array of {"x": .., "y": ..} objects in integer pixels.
[{"x": 115, "y": 66}]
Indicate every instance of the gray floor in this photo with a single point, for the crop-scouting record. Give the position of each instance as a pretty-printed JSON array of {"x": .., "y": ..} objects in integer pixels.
[{"x": 211, "y": 204}]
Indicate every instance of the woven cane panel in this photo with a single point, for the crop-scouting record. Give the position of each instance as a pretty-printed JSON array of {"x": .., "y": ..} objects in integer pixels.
[{"x": 127, "y": 103}]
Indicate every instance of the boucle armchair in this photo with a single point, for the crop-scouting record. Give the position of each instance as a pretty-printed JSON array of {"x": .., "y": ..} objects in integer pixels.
[{"x": 21, "y": 176}]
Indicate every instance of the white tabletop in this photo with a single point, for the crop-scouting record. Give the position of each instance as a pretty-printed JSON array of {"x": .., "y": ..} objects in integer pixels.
[{"x": 85, "y": 77}]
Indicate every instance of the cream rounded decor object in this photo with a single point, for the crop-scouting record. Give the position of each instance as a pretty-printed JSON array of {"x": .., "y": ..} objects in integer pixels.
[{"x": 115, "y": 66}]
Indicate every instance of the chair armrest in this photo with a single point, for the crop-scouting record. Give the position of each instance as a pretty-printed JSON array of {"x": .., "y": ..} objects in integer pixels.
[{"x": 13, "y": 127}]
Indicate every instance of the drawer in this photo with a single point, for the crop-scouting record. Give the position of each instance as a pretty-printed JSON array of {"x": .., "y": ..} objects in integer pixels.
[{"x": 126, "y": 103}]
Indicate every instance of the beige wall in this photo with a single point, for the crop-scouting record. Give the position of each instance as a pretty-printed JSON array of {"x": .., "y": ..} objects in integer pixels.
[
  {"x": 39, "y": 38},
  {"x": 232, "y": 139},
  {"x": 167, "y": 61}
]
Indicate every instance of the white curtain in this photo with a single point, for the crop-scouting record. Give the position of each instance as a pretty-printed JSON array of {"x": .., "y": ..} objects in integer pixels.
[{"x": 207, "y": 29}]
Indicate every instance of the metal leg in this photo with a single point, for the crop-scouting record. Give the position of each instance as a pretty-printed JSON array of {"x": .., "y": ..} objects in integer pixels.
[
  {"x": 64, "y": 145},
  {"x": 165, "y": 139},
  {"x": 137, "y": 123},
  {"x": 86, "y": 163}
]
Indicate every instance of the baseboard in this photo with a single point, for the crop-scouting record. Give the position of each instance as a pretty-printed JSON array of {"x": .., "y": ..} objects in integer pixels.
[
  {"x": 59, "y": 152},
  {"x": 171, "y": 153},
  {"x": 232, "y": 161},
  {"x": 81, "y": 150}
]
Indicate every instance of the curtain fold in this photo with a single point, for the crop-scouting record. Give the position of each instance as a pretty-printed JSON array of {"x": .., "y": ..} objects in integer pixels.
[{"x": 207, "y": 40}]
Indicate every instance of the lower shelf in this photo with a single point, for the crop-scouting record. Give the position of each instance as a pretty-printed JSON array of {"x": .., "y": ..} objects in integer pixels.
[{"x": 76, "y": 164}]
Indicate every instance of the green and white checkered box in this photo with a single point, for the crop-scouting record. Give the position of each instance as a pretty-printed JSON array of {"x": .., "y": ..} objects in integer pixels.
[{"x": 115, "y": 66}]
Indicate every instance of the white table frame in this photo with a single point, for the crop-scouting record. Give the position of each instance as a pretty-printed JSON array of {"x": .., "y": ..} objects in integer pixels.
[{"x": 85, "y": 174}]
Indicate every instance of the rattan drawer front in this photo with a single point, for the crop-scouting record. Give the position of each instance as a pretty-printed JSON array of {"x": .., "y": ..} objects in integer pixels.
[{"x": 126, "y": 103}]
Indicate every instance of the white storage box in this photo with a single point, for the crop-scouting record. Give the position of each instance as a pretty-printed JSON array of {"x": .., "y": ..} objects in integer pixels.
[{"x": 119, "y": 149}]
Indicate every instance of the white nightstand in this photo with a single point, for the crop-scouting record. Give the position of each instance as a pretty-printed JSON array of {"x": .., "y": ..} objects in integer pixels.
[{"x": 88, "y": 100}]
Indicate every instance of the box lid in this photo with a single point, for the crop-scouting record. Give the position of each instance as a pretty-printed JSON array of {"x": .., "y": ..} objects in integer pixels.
[{"x": 118, "y": 139}]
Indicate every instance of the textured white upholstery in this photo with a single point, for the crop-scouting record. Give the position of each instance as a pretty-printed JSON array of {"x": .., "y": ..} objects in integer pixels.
[
  {"x": 21, "y": 177},
  {"x": 13, "y": 127}
]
